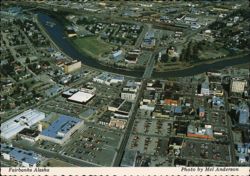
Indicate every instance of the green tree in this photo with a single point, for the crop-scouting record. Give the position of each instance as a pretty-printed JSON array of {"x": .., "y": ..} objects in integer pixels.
[{"x": 27, "y": 61}]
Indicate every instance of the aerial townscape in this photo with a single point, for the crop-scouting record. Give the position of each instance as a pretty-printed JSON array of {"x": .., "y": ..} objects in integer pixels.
[{"x": 125, "y": 83}]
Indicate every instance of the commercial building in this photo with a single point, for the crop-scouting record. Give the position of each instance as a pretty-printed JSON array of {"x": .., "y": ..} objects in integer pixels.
[
  {"x": 131, "y": 86},
  {"x": 190, "y": 20},
  {"x": 132, "y": 56},
  {"x": 105, "y": 118},
  {"x": 205, "y": 88},
  {"x": 218, "y": 103},
  {"x": 115, "y": 105},
  {"x": 149, "y": 40},
  {"x": 117, "y": 55},
  {"x": 72, "y": 66},
  {"x": 201, "y": 112},
  {"x": 24, "y": 120},
  {"x": 108, "y": 79},
  {"x": 171, "y": 102},
  {"x": 117, "y": 123},
  {"x": 238, "y": 85},
  {"x": 199, "y": 132},
  {"x": 69, "y": 93},
  {"x": 124, "y": 110},
  {"x": 216, "y": 89},
  {"x": 147, "y": 106},
  {"x": 81, "y": 97},
  {"x": 243, "y": 114},
  {"x": 61, "y": 129},
  {"x": 30, "y": 135},
  {"x": 127, "y": 95},
  {"x": 19, "y": 156}
]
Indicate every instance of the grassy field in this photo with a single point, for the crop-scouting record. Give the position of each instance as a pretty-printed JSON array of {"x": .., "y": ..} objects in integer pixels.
[
  {"x": 92, "y": 46},
  {"x": 57, "y": 163}
]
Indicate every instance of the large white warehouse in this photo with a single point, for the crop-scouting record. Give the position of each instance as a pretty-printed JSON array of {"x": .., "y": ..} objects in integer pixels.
[{"x": 24, "y": 120}]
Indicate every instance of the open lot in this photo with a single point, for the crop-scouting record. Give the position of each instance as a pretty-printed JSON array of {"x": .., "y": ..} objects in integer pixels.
[
  {"x": 92, "y": 46},
  {"x": 56, "y": 163}
]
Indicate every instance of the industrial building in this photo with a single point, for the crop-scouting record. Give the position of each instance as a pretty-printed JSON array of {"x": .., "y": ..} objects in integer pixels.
[
  {"x": 72, "y": 66},
  {"x": 20, "y": 156},
  {"x": 61, "y": 129},
  {"x": 24, "y": 120}
]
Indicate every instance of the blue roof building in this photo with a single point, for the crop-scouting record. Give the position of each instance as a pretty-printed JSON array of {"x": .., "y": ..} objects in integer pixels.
[
  {"x": 22, "y": 157},
  {"x": 61, "y": 129},
  {"x": 243, "y": 112},
  {"x": 117, "y": 56}
]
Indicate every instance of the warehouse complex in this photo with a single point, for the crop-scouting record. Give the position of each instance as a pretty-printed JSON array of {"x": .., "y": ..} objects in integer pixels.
[{"x": 24, "y": 120}]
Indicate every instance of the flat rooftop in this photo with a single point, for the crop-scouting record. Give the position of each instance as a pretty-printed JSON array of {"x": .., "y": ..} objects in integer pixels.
[
  {"x": 20, "y": 155},
  {"x": 81, "y": 97},
  {"x": 24, "y": 120},
  {"x": 61, "y": 126}
]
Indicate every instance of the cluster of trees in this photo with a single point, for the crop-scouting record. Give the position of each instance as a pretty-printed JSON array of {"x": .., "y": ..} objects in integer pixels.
[
  {"x": 191, "y": 52},
  {"x": 85, "y": 20}
]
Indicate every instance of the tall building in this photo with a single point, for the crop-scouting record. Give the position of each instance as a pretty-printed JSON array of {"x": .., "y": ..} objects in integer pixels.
[{"x": 72, "y": 66}]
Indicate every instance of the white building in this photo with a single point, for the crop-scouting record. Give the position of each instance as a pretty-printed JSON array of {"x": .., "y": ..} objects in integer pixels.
[
  {"x": 205, "y": 88},
  {"x": 238, "y": 85},
  {"x": 24, "y": 120},
  {"x": 129, "y": 96},
  {"x": 108, "y": 79}
]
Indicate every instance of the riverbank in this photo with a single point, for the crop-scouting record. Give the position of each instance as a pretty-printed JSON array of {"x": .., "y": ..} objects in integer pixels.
[{"x": 57, "y": 35}]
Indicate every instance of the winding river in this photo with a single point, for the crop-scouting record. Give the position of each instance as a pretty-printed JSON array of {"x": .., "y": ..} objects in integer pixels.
[{"x": 58, "y": 36}]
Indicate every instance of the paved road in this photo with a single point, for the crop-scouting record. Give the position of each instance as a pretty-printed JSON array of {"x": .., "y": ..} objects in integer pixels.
[
  {"x": 229, "y": 128},
  {"x": 146, "y": 28},
  {"x": 150, "y": 66},
  {"x": 121, "y": 150}
]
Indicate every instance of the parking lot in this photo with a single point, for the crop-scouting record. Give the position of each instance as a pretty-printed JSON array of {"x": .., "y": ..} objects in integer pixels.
[
  {"x": 143, "y": 144},
  {"x": 152, "y": 127},
  {"x": 195, "y": 149},
  {"x": 93, "y": 145}
]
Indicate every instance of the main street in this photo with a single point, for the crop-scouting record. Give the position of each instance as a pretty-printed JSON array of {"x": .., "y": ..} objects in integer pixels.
[
  {"x": 229, "y": 128},
  {"x": 147, "y": 74}
]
